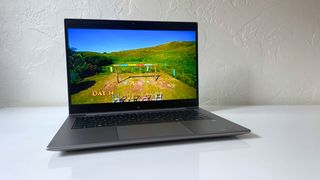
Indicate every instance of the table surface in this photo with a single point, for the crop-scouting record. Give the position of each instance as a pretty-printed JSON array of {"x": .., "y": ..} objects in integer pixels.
[{"x": 284, "y": 145}]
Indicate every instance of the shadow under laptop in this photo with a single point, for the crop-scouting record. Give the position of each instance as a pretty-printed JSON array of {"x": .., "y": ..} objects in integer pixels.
[{"x": 168, "y": 160}]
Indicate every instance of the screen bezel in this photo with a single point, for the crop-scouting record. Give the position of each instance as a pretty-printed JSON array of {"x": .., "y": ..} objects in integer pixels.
[{"x": 134, "y": 25}]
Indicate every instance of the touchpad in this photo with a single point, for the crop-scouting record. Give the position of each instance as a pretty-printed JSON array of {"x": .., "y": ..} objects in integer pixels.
[{"x": 152, "y": 130}]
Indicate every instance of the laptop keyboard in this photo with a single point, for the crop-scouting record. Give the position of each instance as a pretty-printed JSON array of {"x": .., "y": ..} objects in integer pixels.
[{"x": 131, "y": 118}]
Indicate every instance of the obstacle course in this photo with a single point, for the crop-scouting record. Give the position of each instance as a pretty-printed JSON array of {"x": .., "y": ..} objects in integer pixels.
[
  {"x": 137, "y": 74},
  {"x": 148, "y": 67}
]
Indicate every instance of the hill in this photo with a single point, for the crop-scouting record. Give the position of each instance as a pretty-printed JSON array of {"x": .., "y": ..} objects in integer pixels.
[{"x": 179, "y": 57}]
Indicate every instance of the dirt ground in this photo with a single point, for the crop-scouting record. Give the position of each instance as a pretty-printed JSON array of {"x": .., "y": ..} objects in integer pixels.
[{"x": 133, "y": 86}]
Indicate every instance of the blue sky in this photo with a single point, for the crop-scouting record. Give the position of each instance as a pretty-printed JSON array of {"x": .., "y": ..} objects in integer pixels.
[{"x": 109, "y": 40}]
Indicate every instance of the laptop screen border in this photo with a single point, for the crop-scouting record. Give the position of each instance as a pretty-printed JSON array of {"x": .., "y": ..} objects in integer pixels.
[{"x": 134, "y": 25}]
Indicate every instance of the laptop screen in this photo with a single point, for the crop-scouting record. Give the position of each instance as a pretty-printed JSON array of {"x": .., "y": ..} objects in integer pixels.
[{"x": 131, "y": 65}]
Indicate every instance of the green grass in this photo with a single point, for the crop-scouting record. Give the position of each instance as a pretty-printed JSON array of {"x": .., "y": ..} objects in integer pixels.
[{"x": 174, "y": 55}]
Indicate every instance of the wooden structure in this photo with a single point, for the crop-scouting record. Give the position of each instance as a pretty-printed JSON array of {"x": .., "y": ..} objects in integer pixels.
[{"x": 116, "y": 66}]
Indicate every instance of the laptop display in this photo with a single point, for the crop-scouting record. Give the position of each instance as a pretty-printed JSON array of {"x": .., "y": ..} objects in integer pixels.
[{"x": 131, "y": 65}]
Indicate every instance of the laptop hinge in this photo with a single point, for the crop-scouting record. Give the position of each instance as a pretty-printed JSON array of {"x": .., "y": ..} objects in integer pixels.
[{"x": 129, "y": 111}]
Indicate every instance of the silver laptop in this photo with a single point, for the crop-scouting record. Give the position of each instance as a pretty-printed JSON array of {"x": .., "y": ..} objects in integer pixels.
[{"x": 133, "y": 82}]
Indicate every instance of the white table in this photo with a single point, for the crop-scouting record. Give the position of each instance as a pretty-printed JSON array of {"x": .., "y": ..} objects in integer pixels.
[{"x": 284, "y": 145}]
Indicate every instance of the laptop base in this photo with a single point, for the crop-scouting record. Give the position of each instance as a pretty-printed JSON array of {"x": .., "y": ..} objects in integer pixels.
[{"x": 68, "y": 139}]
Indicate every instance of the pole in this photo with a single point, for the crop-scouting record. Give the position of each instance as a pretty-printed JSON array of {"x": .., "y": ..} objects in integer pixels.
[{"x": 117, "y": 74}]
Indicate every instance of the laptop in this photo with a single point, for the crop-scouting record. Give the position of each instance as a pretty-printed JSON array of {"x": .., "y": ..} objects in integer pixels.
[{"x": 133, "y": 82}]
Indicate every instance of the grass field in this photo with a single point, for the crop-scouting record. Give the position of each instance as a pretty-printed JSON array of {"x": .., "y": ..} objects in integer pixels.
[
  {"x": 93, "y": 77},
  {"x": 106, "y": 85}
]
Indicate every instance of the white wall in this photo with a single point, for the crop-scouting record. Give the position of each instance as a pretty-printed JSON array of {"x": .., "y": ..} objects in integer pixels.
[{"x": 251, "y": 51}]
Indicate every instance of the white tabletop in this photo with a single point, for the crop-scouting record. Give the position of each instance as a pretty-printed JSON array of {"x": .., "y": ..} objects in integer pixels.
[{"x": 284, "y": 145}]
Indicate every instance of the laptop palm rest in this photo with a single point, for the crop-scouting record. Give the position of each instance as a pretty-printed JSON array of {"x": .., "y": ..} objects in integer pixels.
[{"x": 152, "y": 131}]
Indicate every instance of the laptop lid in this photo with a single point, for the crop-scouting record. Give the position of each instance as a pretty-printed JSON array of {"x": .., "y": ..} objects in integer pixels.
[{"x": 117, "y": 65}]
